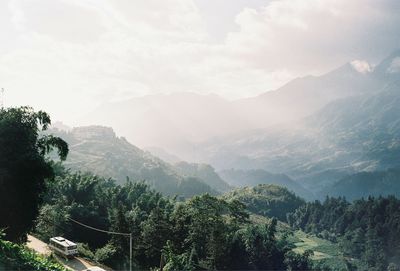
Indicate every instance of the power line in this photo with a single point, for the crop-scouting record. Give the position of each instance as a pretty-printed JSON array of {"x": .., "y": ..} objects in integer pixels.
[
  {"x": 103, "y": 231},
  {"x": 96, "y": 229},
  {"x": 109, "y": 232}
]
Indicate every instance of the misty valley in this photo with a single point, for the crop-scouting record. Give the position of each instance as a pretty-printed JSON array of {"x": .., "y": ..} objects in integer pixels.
[
  {"x": 314, "y": 188},
  {"x": 187, "y": 135}
]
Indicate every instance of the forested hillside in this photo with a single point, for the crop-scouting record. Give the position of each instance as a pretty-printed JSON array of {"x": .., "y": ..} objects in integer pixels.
[
  {"x": 366, "y": 229},
  {"x": 199, "y": 232},
  {"x": 241, "y": 178},
  {"x": 196, "y": 135},
  {"x": 97, "y": 149},
  {"x": 204, "y": 232},
  {"x": 267, "y": 200}
]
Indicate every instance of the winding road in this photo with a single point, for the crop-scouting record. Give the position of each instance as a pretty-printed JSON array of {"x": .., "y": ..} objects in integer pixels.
[{"x": 76, "y": 263}]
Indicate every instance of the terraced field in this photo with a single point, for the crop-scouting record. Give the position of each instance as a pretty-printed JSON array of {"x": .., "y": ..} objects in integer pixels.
[{"x": 325, "y": 252}]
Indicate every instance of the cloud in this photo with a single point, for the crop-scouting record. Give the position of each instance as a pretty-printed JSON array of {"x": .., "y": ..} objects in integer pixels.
[
  {"x": 315, "y": 35},
  {"x": 62, "y": 54},
  {"x": 361, "y": 66}
]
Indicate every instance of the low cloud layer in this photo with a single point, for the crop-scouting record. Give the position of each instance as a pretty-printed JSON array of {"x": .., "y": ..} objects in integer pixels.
[{"x": 70, "y": 56}]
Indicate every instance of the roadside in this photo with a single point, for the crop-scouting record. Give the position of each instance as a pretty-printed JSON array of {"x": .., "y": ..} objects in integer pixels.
[{"x": 76, "y": 263}]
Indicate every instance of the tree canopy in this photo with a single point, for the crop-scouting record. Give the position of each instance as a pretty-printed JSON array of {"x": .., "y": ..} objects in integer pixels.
[
  {"x": 367, "y": 229},
  {"x": 204, "y": 232},
  {"x": 24, "y": 167}
]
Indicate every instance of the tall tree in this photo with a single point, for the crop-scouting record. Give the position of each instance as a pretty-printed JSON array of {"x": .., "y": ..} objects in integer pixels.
[{"x": 24, "y": 167}]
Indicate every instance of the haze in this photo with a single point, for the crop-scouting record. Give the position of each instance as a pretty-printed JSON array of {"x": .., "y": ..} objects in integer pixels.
[{"x": 69, "y": 57}]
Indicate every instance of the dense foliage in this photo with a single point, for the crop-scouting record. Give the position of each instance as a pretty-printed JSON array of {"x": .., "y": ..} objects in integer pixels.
[
  {"x": 204, "y": 232},
  {"x": 267, "y": 200},
  {"x": 368, "y": 229},
  {"x": 17, "y": 257},
  {"x": 23, "y": 167}
]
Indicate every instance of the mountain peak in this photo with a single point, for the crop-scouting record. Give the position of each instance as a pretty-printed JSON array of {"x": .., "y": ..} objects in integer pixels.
[{"x": 93, "y": 132}]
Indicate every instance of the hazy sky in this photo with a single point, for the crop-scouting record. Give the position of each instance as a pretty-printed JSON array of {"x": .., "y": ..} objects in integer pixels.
[{"x": 68, "y": 56}]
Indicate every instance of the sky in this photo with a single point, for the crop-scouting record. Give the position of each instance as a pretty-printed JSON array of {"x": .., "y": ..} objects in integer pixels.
[{"x": 69, "y": 56}]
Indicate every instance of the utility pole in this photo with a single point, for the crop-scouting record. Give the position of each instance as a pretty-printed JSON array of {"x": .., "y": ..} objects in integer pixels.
[
  {"x": 130, "y": 252},
  {"x": 2, "y": 98}
]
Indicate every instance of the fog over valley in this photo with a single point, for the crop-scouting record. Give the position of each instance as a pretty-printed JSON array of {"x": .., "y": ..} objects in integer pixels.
[
  {"x": 191, "y": 135},
  {"x": 315, "y": 129}
]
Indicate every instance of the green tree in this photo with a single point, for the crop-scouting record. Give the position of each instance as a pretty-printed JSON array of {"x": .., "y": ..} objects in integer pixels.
[
  {"x": 156, "y": 231},
  {"x": 24, "y": 167},
  {"x": 296, "y": 261},
  {"x": 265, "y": 252}
]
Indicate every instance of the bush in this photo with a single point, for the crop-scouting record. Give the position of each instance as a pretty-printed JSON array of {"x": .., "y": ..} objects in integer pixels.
[
  {"x": 85, "y": 251},
  {"x": 106, "y": 254},
  {"x": 17, "y": 257}
]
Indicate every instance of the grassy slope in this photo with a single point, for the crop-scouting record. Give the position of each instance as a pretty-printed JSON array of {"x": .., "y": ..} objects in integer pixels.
[
  {"x": 267, "y": 199},
  {"x": 325, "y": 252}
]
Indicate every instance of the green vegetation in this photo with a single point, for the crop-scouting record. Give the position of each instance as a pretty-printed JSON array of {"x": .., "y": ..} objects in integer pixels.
[
  {"x": 239, "y": 230},
  {"x": 98, "y": 150},
  {"x": 17, "y": 257},
  {"x": 204, "y": 232},
  {"x": 23, "y": 167},
  {"x": 326, "y": 255},
  {"x": 267, "y": 200},
  {"x": 242, "y": 178},
  {"x": 367, "y": 230}
]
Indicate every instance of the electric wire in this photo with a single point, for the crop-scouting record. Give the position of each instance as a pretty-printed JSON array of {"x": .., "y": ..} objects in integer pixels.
[{"x": 99, "y": 230}]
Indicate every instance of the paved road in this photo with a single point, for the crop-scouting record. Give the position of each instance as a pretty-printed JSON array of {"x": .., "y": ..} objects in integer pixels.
[{"x": 76, "y": 264}]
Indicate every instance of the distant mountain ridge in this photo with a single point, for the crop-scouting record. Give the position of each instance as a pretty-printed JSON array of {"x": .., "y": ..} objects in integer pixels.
[
  {"x": 242, "y": 178},
  {"x": 316, "y": 129},
  {"x": 177, "y": 122},
  {"x": 97, "y": 149},
  {"x": 358, "y": 185},
  {"x": 351, "y": 134},
  {"x": 304, "y": 96},
  {"x": 204, "y": 172}
]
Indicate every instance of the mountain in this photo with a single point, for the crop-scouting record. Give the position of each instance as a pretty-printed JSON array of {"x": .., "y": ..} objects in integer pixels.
[
  {"x": 267, "y": 200},
  {"x": 242, "y": 178},
  {"x": 173, "y": 122},
  {"x": 97, "y": 149},
  {"x": 204, "y": 172},
  {"x": 356, "y": 186},
  {"x": 304, "y": 96},
  {"x": 315, "y": 129},
  {"x": 360, "y": 132},
  {"x": 178, "y": 122},
  {"x": 163, "y": 154}
]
